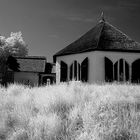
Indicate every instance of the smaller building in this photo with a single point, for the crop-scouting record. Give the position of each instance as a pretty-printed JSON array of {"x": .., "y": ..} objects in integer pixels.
[
  {"x": 33, "y": 71},
  {"x": 48, "y": 77}
]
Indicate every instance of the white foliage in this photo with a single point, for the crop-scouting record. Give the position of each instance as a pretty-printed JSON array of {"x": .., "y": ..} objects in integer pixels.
[
  {"x": 16, "y": 45},
  {"x": 73, "y": 111}
]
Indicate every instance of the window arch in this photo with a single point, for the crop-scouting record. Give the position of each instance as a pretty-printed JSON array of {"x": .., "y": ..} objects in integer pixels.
[
  {"x": 75, "y": 71},
  {"x": 63, "y": 71},
  {"x": 84, "y": 70},
  {"x": 108, "y": 70},
  {"x": 121, "y": 70},
  {"x": 136, "y": 71}
]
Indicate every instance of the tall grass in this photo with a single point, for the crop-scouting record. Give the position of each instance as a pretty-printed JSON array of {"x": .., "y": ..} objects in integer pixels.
[{"x": 72, "y": 111}]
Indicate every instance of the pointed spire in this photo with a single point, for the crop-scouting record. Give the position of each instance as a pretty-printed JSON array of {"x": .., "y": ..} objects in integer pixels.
[{"x": 102, "y": 17}]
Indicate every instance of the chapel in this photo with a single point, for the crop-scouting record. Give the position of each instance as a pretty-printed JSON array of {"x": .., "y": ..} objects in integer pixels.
[{"x": 103, "y": 54}]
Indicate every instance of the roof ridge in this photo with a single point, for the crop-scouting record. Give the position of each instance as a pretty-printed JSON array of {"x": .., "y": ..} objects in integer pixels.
[
  {"x": 100, "y": 33},
  {"x": 119, "y": 30},
  {"x": 31, "y": 57},
  {"x": 122, "y": 33},
  {"x": 81, "y": 37}
]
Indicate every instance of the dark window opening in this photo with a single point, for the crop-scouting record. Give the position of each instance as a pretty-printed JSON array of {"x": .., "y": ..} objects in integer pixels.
[
  {"x": 116, "y": 71},
  {"x": 108, "y": 70},
  {"x": 136, "y": 71},
  {"x": 71, "y": 72},
  {"x": 75, "y": 70},
  {"x": 121, "y": 70},
  {"x": 126, "y": 71},
  {"x": 84, "y": 70},
  {"x": 63, "y": 74},
  {"x": 79, "y": 72}
]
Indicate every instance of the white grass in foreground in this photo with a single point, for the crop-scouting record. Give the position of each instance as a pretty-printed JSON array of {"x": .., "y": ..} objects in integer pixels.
[{"x": 73, "y": 111}]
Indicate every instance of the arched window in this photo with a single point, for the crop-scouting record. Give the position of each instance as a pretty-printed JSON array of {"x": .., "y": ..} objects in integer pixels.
[
  {"x": 71, "y": 72},
  {"x": 121, "y": 71},
  {"x": 75, "y": 71},
  {"x": 116, "y": 71},
  {"x": 108, "y": 70},
  {"x": 79, "y": 72},
  {"x": 136, "y": 71},
  {"x": 63, "y": 71},
  {"x": 84, "y": 70}
]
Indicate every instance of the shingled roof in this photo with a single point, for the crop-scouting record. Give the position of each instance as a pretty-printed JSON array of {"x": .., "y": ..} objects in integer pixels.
[
  {"x": 31, "y": 63},
  {"x": 103, "y": 37}
]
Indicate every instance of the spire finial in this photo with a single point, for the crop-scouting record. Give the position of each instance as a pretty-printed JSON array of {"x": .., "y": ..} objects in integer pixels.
[{"x": 102, "y": 17}]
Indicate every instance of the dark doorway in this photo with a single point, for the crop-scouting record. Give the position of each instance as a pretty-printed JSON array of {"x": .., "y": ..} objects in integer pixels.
[
  {"x": 108, "y": 70},
  {"x": 136, "y": 71},
  {"x": 47, "y": 80}
]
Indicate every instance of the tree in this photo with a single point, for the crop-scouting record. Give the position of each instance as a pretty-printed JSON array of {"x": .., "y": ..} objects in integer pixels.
[
  {"x": 10, "y": 47},
  {"x": 15, "y": 45},
  {"x": 2, "y": 41}
]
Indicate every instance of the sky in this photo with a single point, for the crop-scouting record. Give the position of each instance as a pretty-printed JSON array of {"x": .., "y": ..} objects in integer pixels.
[{"x": 50, "y": 25}]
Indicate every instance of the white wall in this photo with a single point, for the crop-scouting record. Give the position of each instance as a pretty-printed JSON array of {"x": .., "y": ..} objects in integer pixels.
[
  {"x": 23, "y": 77},
  {"x": 96, "y": 62}
]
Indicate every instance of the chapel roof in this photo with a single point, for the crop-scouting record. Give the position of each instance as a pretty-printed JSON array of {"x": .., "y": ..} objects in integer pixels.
[{"x": 104, "y": 37}]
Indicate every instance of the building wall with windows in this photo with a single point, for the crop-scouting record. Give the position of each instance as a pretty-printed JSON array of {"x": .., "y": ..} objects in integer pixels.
[
  {"x": 125, "y": 66},
  {"x": 27, "y": 78},
  {"x": 122, "y": 66},
  {"x": 127, "y": 58},
  {"x": 85, "y": 73},
  {"x": 70, "y": 60}
]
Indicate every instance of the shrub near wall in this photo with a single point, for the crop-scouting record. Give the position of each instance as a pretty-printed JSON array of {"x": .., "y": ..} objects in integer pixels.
[{"x": 73, "y": 111}]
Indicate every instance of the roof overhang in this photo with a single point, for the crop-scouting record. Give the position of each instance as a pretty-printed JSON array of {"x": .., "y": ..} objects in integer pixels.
[{"x": 106, "y": 50}]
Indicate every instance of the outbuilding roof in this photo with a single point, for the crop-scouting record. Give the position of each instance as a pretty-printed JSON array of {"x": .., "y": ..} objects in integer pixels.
[
  {"x": 103, "y": 36},
  {"x": 31, "y": 63}
]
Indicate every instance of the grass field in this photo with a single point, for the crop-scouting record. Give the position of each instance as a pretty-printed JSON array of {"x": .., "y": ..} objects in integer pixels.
[{"x": 73, "y": 111}]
